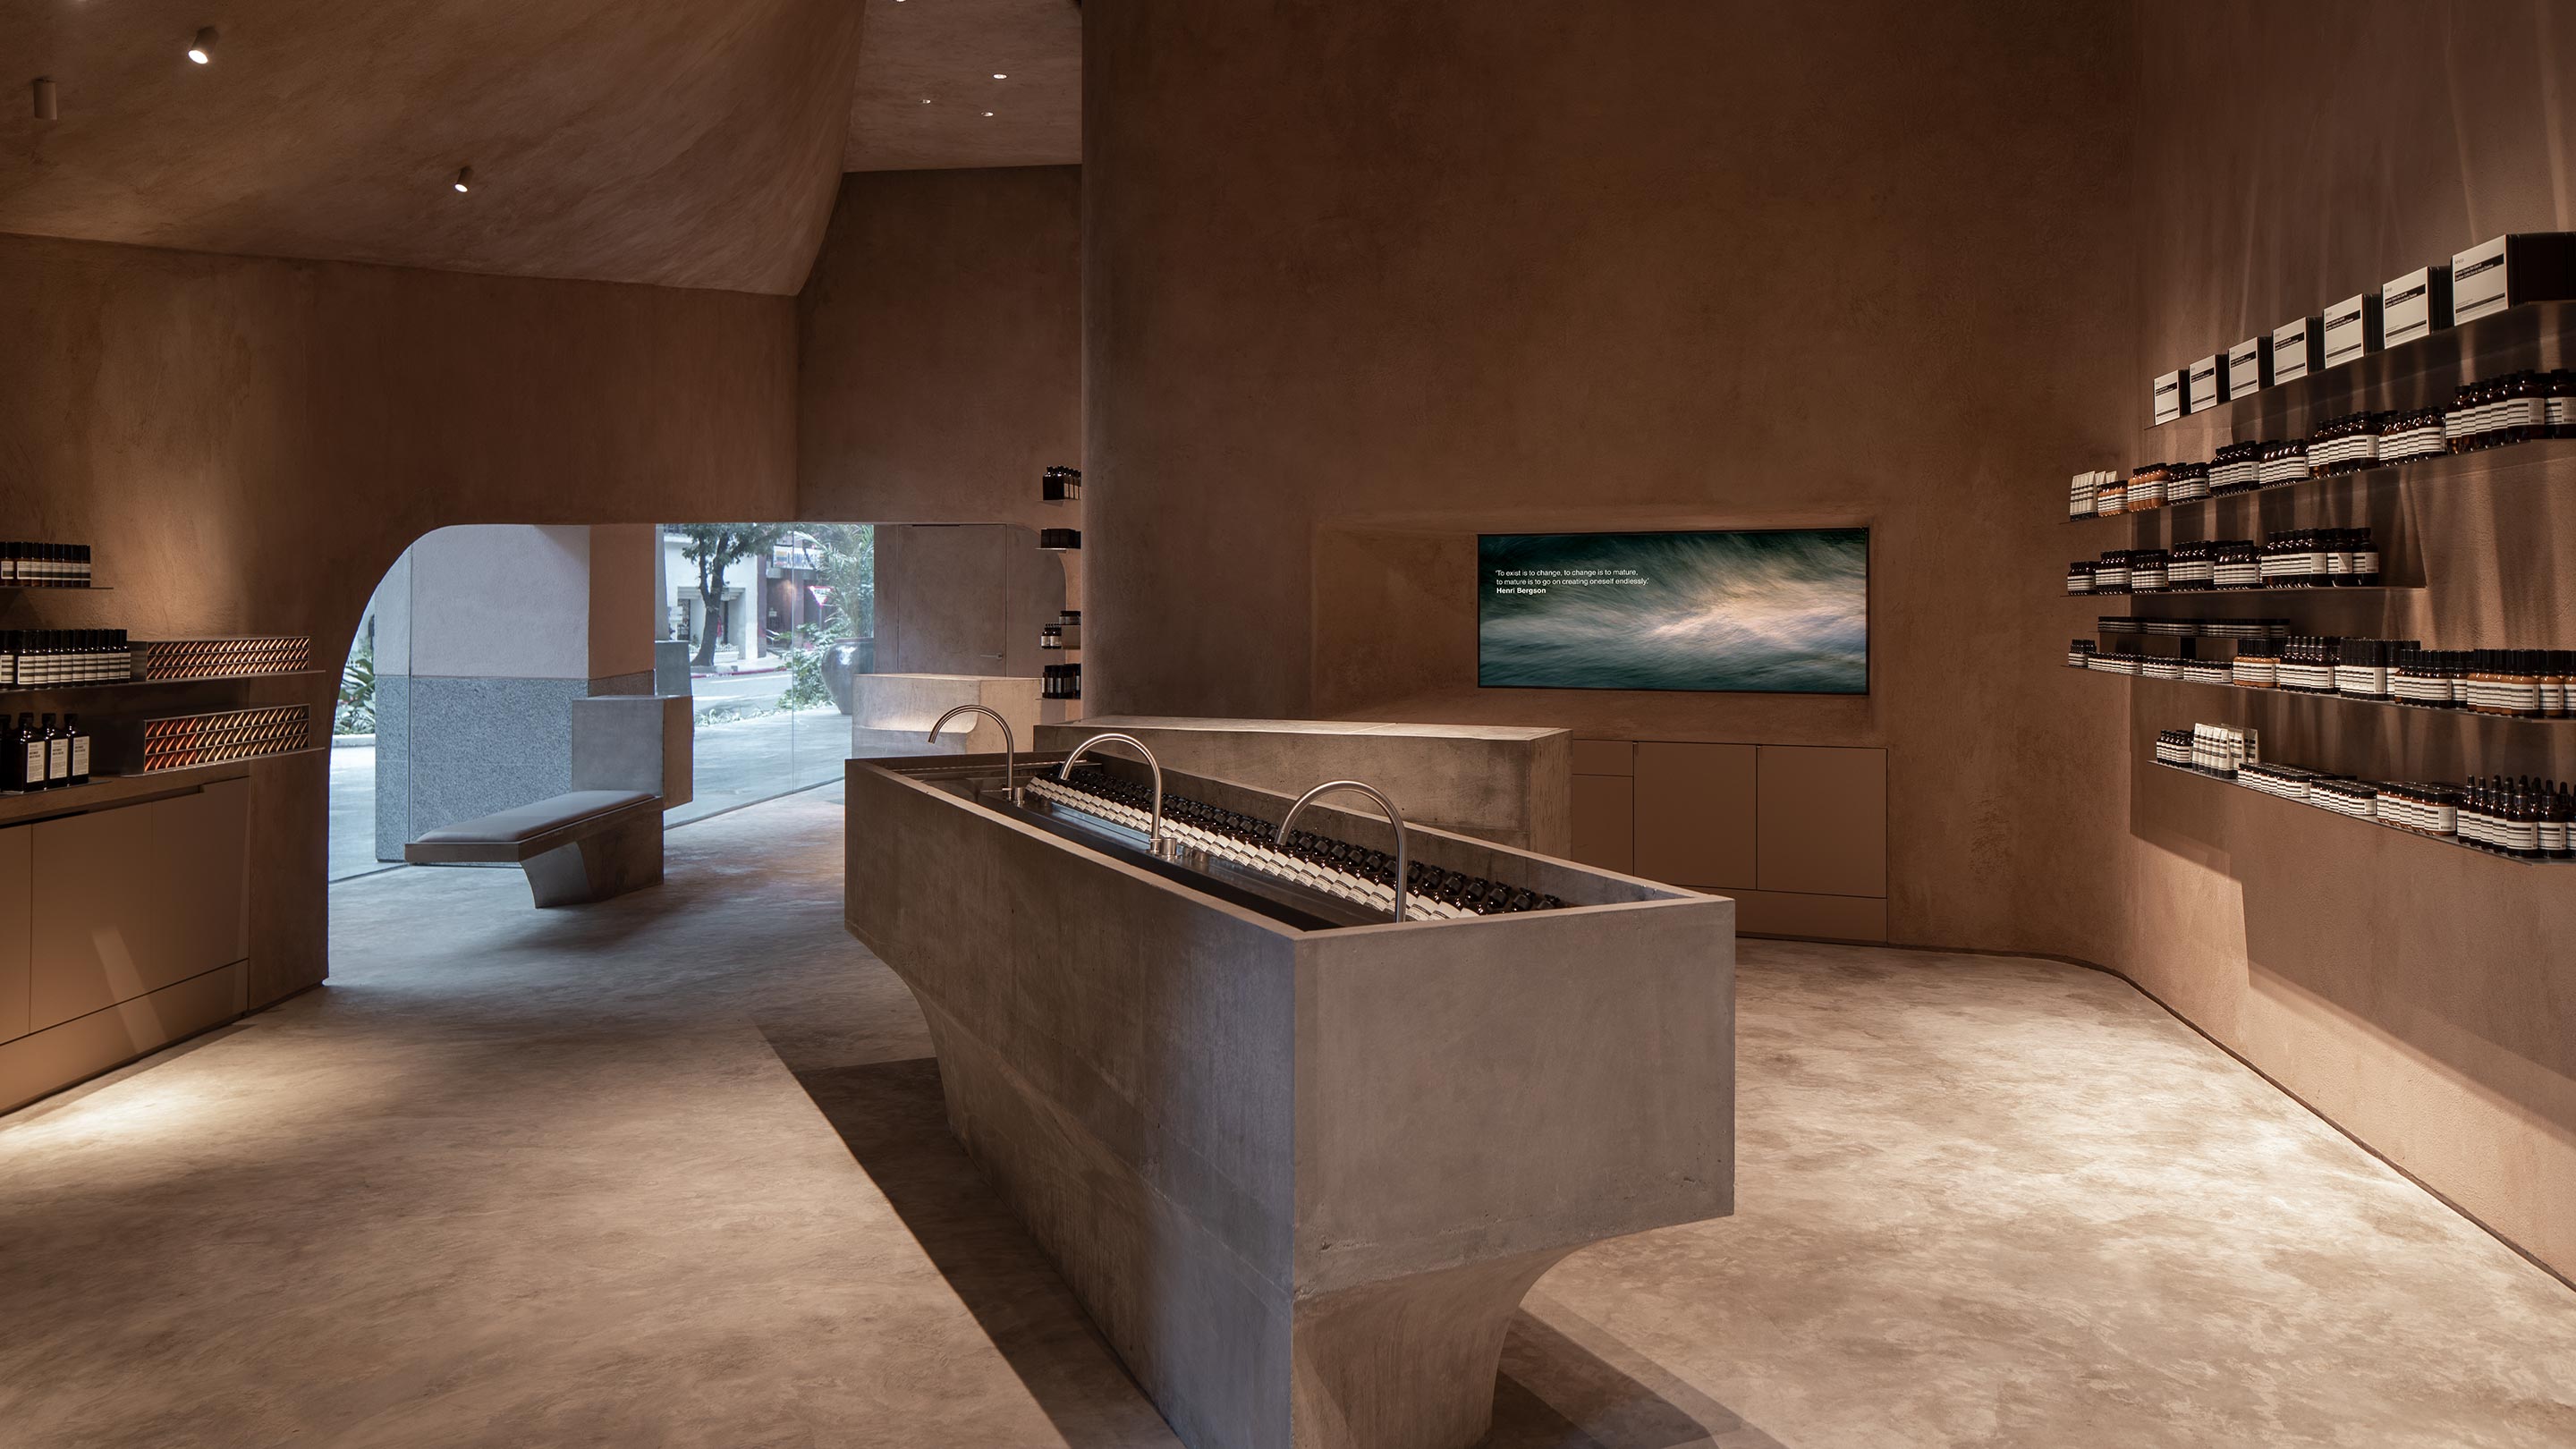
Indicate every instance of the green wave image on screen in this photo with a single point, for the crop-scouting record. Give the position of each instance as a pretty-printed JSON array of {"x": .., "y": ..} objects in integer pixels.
[{"x": 1783, "y": 611}]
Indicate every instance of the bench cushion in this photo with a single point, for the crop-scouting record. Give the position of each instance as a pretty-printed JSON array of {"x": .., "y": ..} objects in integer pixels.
[{"x": 504, "y": 834}]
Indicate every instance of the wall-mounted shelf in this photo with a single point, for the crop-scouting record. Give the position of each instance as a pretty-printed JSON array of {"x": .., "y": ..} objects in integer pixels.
[
  {"x": 2538, "y": 450},
  {"x": 2279, "y": 693},
  {"x": 2416, "y": 358},
  {"x": 114, "y": 789},
  {"x": 2285, "y": 592},
  {"x": 119, "y": 685},
  {"x": 2450, "y": 840},
  {"x": 57, "y": 588}
]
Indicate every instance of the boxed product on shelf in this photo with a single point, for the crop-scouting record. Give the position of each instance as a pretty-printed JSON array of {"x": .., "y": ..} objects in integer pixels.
[
  {"x": 2204, "y": 383},
  {"x": 2352, "y": 329},
  {"x": 1060, "y": 540},
  {"x": 2079, "y": 653},
  {"x": 2534, "y": 266},
  {"x": 2249, "y": 367},
  {"x": 2165, "y": 401},
  {"x": 2298, "y": 348},
  {"x": 2417, "y": 304}
]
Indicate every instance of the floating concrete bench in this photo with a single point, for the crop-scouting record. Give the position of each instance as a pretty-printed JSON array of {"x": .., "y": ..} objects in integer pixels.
[{"x": 603, "y": 838}]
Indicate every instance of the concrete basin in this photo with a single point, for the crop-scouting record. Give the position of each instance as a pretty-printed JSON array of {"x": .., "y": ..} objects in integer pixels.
[{"x": 1301, "y": 1175}]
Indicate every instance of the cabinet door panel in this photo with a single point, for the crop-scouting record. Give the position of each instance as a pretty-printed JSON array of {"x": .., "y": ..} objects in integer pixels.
[
  {"x": 1695, "y": 813},
  {"x": 129, "y": 900},
  {"x": 1824, "y": 820},
  {"x": 17, "y": 928},
  {"x": 1605, "y": 822}
]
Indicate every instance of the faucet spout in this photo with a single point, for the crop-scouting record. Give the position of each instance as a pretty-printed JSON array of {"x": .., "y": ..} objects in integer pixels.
[
  {"x": 1154, "y": 840},
  {"x": 1010, "y": 745},
  {"x": 1403, "y": 853}
]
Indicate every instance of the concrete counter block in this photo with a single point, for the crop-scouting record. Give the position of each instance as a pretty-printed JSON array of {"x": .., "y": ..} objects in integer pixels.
[
  {"x": 1301, "y": 1178},
  {"x": 895, "y": 710},
  {"x": 1506, "y": 783}
]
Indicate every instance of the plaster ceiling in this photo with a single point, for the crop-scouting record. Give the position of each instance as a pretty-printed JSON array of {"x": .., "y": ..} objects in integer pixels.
[
  {"x": 690, "y": 143},
  {"x": 946, "y": 51}
]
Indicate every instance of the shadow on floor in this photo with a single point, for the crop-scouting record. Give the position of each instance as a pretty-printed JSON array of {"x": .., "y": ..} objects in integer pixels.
[{"x": 1561, "y": 1387}]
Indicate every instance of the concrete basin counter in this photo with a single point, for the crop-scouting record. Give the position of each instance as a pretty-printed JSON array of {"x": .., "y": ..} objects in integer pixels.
[{"x": 1300, "y": 1177}]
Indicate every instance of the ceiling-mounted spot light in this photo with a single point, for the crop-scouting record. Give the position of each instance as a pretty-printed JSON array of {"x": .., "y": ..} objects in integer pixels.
[
  {"x": 204, "y": 49},
  {"x": 925, "y": 100},
  {"x": 997, "y": 75},
  {"x": 464, "y": 178},
  {"x": 45, "y": 98},
  {"x": 988, "y": 114}
]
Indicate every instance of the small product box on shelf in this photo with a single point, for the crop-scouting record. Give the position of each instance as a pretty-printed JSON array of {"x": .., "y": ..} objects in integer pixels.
[
  {"x": 2531, "y": 266},
  {"x": 2205, "y": 383},
  {"x": 2417, "y": 304},
  {"x": 2352, "y": 329},
  {"x": 1060, "y": 540},
  {"x": 2249, "y": 367},
  {"x": 2298, "y": 348},
  {"x": 2167, "y": 398}
]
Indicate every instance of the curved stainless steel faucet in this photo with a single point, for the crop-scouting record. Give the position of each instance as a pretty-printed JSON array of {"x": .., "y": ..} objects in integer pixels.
[
  {"x": 1010, "y": 746},
  {"x": 1394, "y": 817},
  {"x": 1154, "y": 840}
]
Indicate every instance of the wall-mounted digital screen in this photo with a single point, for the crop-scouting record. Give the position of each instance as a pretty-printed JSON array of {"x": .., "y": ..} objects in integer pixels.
[{"x": 1771, "y": 611}]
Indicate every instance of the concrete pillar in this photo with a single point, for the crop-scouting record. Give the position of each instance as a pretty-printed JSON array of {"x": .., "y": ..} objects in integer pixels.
[
  {"x": 963, "y": 599},
  {"x": 485, "y": 635}
]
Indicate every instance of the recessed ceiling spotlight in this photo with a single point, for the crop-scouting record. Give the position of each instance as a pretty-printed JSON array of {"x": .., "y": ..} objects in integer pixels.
[
  {"x": 988, "y": 113},
  {"x": 204, "y": 48},
  {"x": 925, "y": 100},
  {"x": 997, "y": 75},
  {"x": 464, "y": 178}
]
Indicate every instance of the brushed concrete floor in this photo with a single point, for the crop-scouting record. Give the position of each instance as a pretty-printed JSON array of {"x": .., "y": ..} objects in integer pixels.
[{"x": 671, "y": 1172}]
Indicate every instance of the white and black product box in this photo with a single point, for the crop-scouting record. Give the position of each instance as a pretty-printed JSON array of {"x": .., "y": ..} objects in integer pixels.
[
  {"x": 2352, "y": 328},
  {"x": 2417, "y": 304},
  {"x": 2168, "y": 397},
  {"x": 2204, "y": 383},
  {"x": 2298, "y": 348},
  {"x": 2249, "y": 367},
  {"x": 2531, "y": 266}
]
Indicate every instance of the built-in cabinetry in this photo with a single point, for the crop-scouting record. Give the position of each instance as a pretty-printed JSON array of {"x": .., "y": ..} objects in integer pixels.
[
  {"x": 123, "y": 927},
  {"x": 1797, "y": 834}
]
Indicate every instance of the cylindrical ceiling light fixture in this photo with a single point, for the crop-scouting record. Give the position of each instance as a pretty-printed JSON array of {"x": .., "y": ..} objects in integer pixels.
[
  {"x": 204, "y": 48},
  {"x": 464, "y": 178},
  {"x": 45, "y": 109}
]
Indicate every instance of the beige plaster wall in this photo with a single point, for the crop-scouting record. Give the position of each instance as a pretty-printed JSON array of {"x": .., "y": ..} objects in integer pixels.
[
  {"x": 1637, "y": 265},
  {"x": 940, "y": 348}
]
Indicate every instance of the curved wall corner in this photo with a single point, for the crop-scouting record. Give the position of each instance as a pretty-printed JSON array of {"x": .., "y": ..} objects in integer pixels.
[{"x": 249, "y": 444}]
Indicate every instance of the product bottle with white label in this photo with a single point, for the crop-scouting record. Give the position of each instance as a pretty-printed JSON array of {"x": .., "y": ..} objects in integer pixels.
[
  {"x": 80, "y": 748},
  {"x": 25, "y": 762},
  {"x": 58, "y": 755}
]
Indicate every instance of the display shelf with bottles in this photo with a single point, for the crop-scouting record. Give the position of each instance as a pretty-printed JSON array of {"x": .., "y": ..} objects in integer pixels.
[
  {"x": 104, "y": 789},
  {"x": 2507, "y": 689},
  {"x": 2350, "y": 796},
  {"x": 2528, "y": 453}
]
